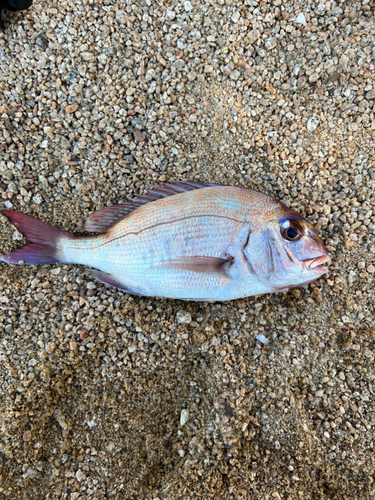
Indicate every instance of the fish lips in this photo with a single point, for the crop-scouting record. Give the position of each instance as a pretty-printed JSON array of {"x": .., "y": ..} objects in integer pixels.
[{"x": 316, "y": 265}]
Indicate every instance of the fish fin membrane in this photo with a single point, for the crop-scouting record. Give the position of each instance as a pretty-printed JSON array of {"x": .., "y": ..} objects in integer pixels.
[
  {"x": 102, "y": 220},
  {"x": 109, "y": 279},
  {"x": 198, "y": 264},
  {"x": 42, "y": 239}
]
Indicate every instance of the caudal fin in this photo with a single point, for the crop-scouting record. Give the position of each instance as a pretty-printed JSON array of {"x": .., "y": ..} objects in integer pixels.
[{"x": 42, "y": 238}]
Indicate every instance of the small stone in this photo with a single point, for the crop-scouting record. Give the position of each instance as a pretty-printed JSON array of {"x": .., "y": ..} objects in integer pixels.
[
  {"x": 312, "y": 123},
  {"x": 371, "y": 269},
  {"x": 270, "y": 43},
  {"x": 26, "y": 436},
  {"x": 262, "y": 339},
  {"x": 72, "y": 108},
  {"x": 335, "y": 75},
  {"x": 37, "y": 199},
  {"x": 236, "y": 16},
  {"x": 371, "y": 94},
  {"x": 82, "y": 69},
  {"x": 87, "y": 56},
  {"x": 235, "y": 75},
  {"x": 138, "y": 136},
  {"x": 187, "y": 6},
  {"x": 183, "y": 317},
  {"x": 72, "y": 345},
  {"x": 314, "y": 77},
  {"x": 301, "y": 19},
  {"x": 41, "y": 40},
  {"x": 254, "y": 34},
  {"x": 184, "y": 417},
  {"x": 326, "y": 48},
  {"x": 102, "y": 58},
  {"x": 179, "y": 64},
  {"x": 80, "y": 475}
]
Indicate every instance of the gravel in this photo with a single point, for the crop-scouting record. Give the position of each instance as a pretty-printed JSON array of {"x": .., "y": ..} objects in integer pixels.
[{"x": 99, "y": 102}]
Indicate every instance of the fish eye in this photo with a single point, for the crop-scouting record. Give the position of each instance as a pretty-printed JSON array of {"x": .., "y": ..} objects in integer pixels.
[{"x": 291, "y": 230}]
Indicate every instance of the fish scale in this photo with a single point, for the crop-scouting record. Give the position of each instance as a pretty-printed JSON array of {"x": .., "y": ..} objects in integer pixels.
[{"x": 187, "y": 241}]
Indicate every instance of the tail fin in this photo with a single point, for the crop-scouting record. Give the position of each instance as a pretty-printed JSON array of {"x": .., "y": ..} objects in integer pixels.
[{"x": 42, "y": 237}]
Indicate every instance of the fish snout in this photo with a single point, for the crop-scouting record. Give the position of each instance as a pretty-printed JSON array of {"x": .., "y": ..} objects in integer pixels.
[{"x": 316, "y": 265}]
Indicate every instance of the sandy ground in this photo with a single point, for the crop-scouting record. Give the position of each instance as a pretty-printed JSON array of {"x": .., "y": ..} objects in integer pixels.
[{"x": 103, "y": 100}]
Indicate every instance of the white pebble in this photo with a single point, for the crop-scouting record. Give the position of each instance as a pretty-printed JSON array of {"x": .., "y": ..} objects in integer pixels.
[
  {"x": 37, "y": 199},
  {"x": 235, "y": 16},
  {"x": 301, "y": 19},
  {"x": 312, "y": 123},
  {"x": 262, "y": 339},
  {"x": 183, "y": 317},
  {"x": 184, "y": 417}
]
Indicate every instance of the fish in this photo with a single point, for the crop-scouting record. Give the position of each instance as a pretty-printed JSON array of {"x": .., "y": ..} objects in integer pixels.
[{"x": 185, "y": 240}]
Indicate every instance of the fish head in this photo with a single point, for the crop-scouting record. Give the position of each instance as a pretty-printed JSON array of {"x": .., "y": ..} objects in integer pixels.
[{"x": 285, "y": 250}]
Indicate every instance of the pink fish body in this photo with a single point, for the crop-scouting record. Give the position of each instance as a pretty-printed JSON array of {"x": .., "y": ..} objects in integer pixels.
[{"x": 186, "y": 241}]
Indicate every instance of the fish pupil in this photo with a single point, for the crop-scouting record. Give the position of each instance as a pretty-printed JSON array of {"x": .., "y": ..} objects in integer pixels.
[{"x": 292, "y": 233}]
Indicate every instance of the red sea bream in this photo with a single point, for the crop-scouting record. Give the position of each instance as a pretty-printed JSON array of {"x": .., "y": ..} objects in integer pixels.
[{"x": 185, "y": 241}]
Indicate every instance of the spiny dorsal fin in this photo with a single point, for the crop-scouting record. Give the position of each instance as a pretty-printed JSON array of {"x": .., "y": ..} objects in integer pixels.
[{"x": 102, "y": 220}]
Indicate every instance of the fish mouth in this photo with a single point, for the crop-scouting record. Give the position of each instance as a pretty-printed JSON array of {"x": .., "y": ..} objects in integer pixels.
[{"x": 316, "y": 265}]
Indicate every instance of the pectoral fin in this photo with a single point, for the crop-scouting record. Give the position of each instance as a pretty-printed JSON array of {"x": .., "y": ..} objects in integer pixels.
[{"x": 198, "y": 264}]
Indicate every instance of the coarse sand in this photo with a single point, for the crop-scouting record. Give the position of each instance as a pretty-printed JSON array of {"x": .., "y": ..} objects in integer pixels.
[{"x": 108, "y": 396}]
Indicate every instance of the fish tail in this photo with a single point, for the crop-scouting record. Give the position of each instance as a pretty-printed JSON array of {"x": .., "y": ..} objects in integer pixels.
[{"x": 43, "y": 240}]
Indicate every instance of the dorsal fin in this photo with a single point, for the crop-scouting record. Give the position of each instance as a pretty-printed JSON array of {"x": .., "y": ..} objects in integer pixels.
[{"x": 102, "y": 220}]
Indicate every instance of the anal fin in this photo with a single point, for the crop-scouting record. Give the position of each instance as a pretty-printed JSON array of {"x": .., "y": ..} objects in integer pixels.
[{"x": 109, "y": 279}]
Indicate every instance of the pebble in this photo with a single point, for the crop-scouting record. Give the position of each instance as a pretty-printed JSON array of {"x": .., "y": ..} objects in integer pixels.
[
  {"x": 41, "y": 40},
  {"x": 235, "y": 74},
  {"x": 312, "y": 124},
  {"x": 300, "y": 19},
  {"x": 236, "y": 16},
  {"x": 262, "y": 339},
  {"x": 183, "y": 317},
  {"x": 72, "y": 108},
  {"x": 27, "y": 436},
  {"x": 184, "y": 417}
]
